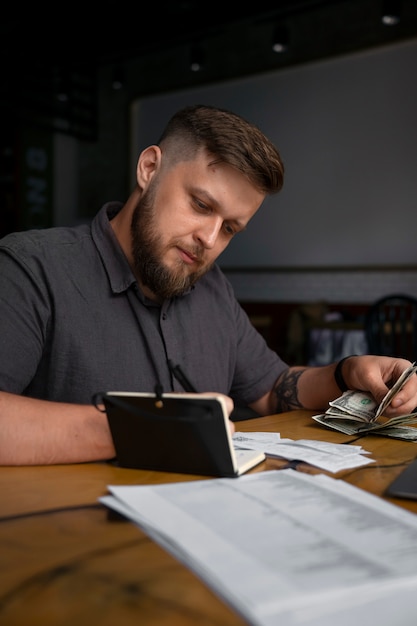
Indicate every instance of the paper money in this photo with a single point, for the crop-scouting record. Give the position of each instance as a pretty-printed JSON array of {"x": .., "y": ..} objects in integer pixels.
[
  {"x": 357, "y": 412},
  {"x": 349, "y": 427},
  {"x": 398, "y": 385},
  {"x": 358, "y": 404}
]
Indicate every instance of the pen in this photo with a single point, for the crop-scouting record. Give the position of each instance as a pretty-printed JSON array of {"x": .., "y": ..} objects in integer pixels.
[{"x": 181, "y": 377}]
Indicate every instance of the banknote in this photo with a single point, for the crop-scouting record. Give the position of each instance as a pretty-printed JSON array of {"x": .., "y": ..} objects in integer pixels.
[
  {"x": 399, "y": 384},
  {"x": 349, "y": 427},
  {"x": 357, "y": 412},
  {"x": 359, "y": 404}
]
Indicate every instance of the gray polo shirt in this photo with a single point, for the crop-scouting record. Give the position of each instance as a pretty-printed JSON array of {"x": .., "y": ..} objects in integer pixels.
[{"x": 74, "y": 322}]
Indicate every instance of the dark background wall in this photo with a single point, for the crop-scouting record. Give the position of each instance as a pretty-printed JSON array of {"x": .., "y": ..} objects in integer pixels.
[
  {"x": 347, "y": 133},
  {"x": 339, "y": 102}
]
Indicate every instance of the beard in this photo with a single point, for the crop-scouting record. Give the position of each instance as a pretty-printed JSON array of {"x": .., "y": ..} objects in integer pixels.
[{"x": 147, "y": 252}]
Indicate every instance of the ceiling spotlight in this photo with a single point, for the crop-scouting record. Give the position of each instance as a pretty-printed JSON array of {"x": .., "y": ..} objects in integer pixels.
[
  {"x": 197, "y": 58},
  {"x": 118, "y": 80},
  {"x": 62, "y": 85},
  {"x": 280, "y": 39},
  {"x": 391, "y": 12},
  {"x": 62, "y": 96}
]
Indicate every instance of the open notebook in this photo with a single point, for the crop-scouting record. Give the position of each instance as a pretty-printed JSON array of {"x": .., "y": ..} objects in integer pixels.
[{"x": 187, "y": 433}]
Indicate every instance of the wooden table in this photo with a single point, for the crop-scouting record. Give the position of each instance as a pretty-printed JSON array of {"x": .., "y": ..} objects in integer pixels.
[{"x": 68, "y": 560}]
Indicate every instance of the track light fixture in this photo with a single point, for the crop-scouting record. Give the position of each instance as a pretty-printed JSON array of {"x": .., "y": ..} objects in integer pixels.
[
  {"x": 391, "y": 12},
  {"x": 197, "y": 58},
  {"x": 118, "y": 80},
  {"x": 62, "y": 85},
  {"x": 280, "y": 38}
]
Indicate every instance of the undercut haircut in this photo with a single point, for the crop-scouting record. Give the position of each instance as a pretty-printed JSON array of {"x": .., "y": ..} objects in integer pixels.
[{"x": 229, "y": 139}]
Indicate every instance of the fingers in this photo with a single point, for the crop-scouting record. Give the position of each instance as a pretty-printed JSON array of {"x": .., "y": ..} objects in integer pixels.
[
  {"x": 405, "y": 399},
  {"x": 377, "y": 375},
  {"x": 229, "y": 406},
  {"x": 229, "y": 402}
]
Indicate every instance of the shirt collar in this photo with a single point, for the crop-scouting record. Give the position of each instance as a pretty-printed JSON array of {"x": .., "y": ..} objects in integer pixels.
[{"x": 114, "y": 260}]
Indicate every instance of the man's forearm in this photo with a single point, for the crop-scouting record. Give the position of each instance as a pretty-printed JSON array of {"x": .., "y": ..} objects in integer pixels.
[
  {"x": 306, "y": 388},
  {"x": 38, "y": 432}
]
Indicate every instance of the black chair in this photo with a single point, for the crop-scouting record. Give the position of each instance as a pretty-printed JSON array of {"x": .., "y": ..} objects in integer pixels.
[{"x": 391, "y": 326}]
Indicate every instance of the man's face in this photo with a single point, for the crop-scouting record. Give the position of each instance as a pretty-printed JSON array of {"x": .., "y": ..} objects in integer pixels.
[{"x": 185, "y": 218}]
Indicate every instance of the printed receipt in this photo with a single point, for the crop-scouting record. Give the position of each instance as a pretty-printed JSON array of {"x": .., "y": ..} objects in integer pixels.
[{"x": 331, "y": 457}]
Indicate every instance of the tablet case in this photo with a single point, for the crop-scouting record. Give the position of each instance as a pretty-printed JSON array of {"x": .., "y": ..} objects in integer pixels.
[
  {"x": 405, "y": 485},
  {"x": 185, "y": 433}
]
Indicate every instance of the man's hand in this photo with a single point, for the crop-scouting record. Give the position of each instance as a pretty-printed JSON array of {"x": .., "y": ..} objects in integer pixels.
[
  {"x": 377, "y": 374},
  {"x": 229, "y": 407}
]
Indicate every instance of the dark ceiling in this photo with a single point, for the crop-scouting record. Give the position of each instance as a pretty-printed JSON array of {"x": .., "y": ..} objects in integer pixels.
[
  {"x": 75, "y": 34},
  {"x": 154, "y": 41}
]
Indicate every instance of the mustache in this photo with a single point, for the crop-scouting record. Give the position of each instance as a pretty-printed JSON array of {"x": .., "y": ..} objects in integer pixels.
[{"x": 197, "y": 252}]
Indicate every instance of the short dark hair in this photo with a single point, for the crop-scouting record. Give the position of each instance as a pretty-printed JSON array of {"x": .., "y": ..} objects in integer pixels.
[{"x": 230, "y": 139}]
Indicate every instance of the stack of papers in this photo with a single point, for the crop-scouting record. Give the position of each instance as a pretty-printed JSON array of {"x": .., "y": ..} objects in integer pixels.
[
  {"x": 357, "y": 413},
  {"x": 331, "y": 457},
  {"x": 285, "y": 547}
]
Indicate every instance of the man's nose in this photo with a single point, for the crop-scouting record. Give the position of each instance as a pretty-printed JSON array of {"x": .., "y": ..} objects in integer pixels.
[{"x": 209, "y": 231}]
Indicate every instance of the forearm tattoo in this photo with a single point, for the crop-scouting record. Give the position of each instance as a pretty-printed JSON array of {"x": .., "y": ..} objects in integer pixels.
[{"x": 286, "y": 391}]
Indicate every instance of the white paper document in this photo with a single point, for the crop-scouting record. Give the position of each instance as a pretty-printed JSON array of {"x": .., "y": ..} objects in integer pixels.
[
  {"x": 283, "y": 547},
  {"x": 332, "y": 457}
]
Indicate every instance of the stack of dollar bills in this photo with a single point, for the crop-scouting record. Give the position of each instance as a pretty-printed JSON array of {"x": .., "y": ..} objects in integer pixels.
[{"x": 357, "y": 413}]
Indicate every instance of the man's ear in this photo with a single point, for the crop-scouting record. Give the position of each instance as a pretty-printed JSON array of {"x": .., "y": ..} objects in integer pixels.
[{"x": 148, "y": 164}]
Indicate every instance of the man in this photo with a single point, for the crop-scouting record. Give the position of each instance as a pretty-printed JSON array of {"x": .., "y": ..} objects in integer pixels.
[{"x": 118, "y": 304}]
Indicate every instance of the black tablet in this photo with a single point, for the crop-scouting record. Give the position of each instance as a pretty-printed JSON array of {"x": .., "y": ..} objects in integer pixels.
[
  {"x": 186, "y": 433},
  {"x": 405, "y": 485}
]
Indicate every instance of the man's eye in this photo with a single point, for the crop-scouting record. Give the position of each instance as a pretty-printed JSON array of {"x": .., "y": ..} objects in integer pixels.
[
  {"x": 200, "y": 206},
  {"x": 229, "y": 229}
]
